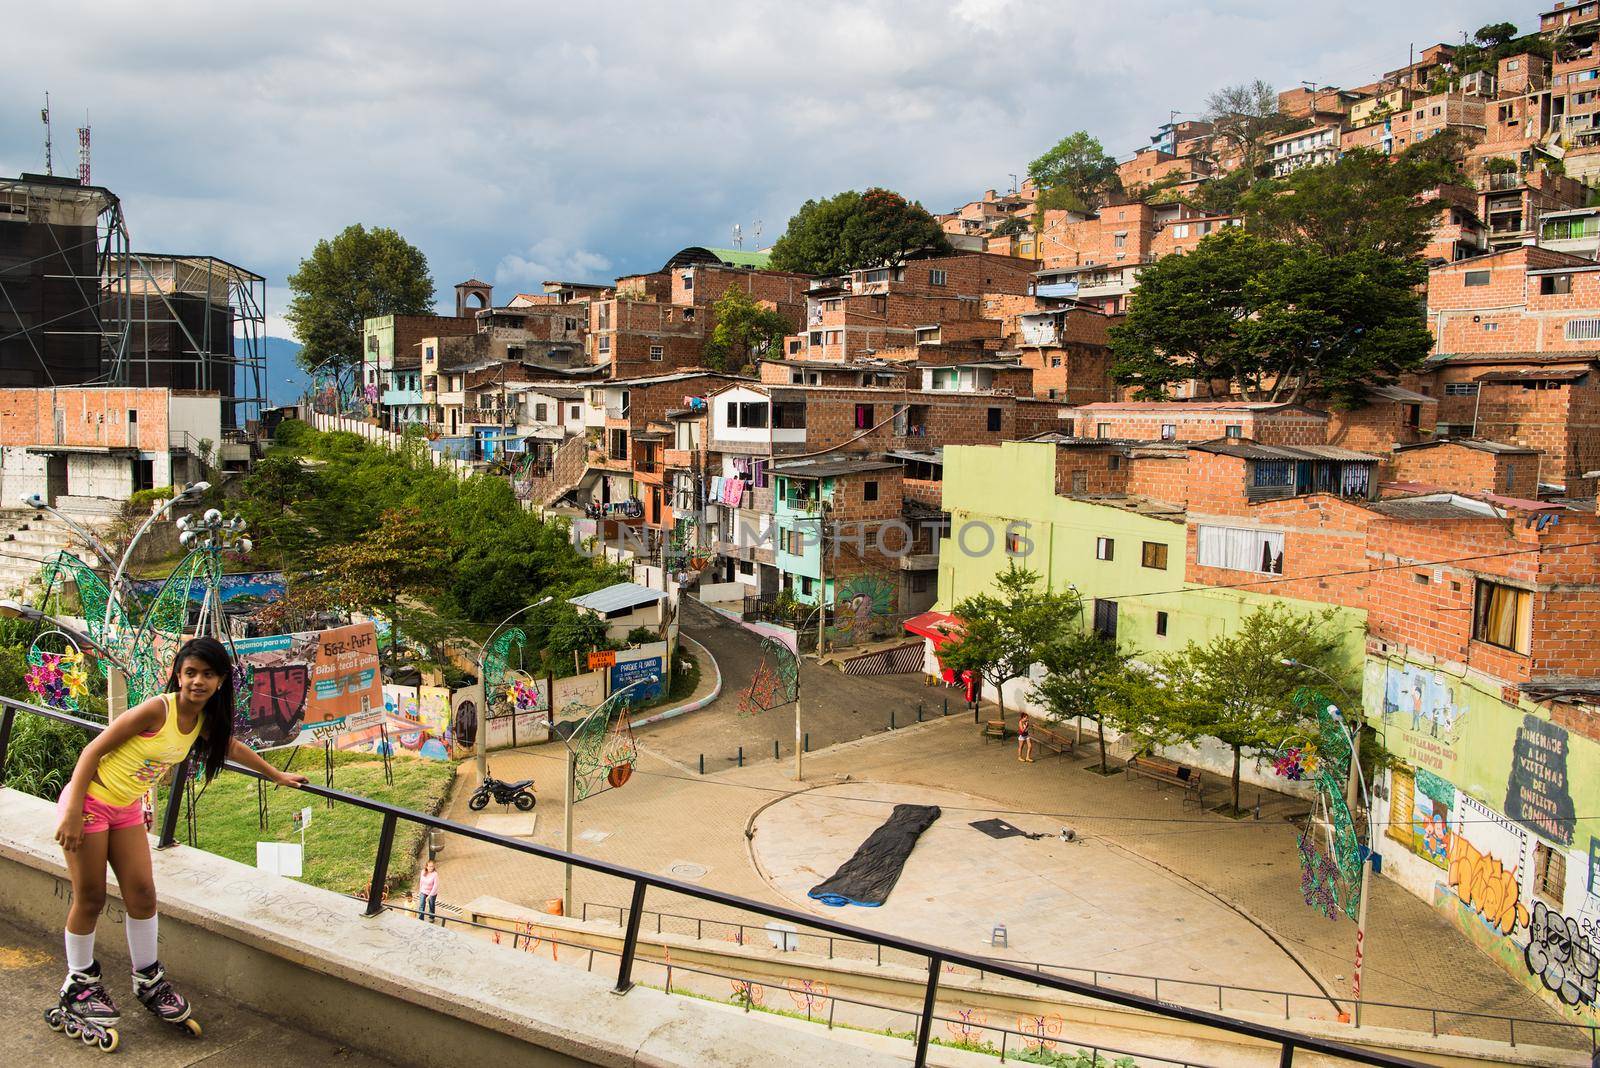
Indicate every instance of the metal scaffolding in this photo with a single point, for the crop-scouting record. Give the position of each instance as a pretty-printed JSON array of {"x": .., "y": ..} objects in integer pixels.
[
  {"x": 79, "y": 307},
  {"x": 193, "y": 322}
]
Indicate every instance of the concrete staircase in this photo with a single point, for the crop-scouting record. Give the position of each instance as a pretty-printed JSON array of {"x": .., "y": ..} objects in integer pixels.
[{"x": 28, "y": 538}]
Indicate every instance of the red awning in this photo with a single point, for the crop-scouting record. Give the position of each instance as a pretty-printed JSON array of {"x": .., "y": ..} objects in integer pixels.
[{"x": 937, "y": 627}]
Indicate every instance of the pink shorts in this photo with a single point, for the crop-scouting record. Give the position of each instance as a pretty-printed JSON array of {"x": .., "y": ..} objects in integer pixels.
[{"x": 99, "y": 816}]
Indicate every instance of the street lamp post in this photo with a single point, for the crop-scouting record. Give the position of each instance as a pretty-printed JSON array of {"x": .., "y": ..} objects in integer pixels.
[
  {"x": 569, "y": 796},
  {"x": 1355, "y": 752},
  {"x": 1366, "y": 866},
  {"x": 799, "y": 736},
  {"x": 189, "y": 493},
  {"x": 483, "y": 726}
]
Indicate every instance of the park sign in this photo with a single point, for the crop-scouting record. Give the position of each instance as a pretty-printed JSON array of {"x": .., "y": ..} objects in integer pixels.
[
  {"x": 306, "y": 685},
  {"x": 604, "y": 658}
]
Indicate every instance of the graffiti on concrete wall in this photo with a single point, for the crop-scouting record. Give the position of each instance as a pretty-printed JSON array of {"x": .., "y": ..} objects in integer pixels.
[
  {"x": 860, "y": 604},
  {"x": 1486, "y": 854},
  {"x": 1561, "y": 954},
  {"x": 1433, "y": 801},
  {"x": 1536, "y": 790}
]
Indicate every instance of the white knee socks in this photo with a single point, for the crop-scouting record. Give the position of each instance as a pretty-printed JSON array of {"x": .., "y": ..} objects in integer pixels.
[
  {"x": 142, "y": 950},
  {"x": 80, "y": 951}
]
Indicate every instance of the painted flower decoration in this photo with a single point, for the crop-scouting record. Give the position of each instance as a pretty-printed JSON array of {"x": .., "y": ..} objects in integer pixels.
[{"x": 523, "y": 697}]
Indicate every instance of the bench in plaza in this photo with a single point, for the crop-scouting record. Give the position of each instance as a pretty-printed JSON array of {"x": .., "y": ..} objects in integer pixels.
[
  {"x": 1169, "y": 772},
  {"x": 1049, "y": 739},
  {"x": 994, "y": 728}
]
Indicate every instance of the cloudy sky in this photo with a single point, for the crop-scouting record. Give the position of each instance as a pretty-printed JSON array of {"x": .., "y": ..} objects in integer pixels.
[{"x": 583, "y": 141}]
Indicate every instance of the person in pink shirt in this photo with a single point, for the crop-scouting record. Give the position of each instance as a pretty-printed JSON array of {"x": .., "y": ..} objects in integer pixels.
[{"x": 428, "y": 892}]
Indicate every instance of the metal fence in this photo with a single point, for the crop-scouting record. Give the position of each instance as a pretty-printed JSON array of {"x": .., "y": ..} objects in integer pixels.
[{"x": 937, "y": 958}]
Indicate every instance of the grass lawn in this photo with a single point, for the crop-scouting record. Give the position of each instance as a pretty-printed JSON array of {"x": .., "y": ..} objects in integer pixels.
[{"x": 342, "y": 841}]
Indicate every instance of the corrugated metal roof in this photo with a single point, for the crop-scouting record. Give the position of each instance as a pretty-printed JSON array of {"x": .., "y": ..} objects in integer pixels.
[
  {"x": 1496, "y": 447},
  {"x": 1558, "y": 375},
  {"x": 1246, "y": 449},
  {"x": 614, "y": 598},
  {"x": 1435, "y": 506},
  {"x": 830, "y": 468}
]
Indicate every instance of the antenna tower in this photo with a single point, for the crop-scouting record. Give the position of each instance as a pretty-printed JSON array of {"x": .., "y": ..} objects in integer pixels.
[
  {"x": 758, "y": 233},
  {"x": 83, "y": 151},
  {"x": 44, "y": 117},
  {"x": 738, "y": 236}
]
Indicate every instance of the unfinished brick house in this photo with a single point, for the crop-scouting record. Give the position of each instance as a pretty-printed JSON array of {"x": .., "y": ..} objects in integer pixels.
[
  {"x": 1261, "y": 421},
  {"x": 1470, "y": 464}
]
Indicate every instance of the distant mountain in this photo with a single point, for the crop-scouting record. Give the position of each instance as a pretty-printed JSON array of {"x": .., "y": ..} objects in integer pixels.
[{"x": 285, "y": 380}]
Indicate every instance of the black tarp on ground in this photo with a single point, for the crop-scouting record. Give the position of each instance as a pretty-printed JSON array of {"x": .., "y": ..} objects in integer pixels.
[{"x": 868, "y": 876}]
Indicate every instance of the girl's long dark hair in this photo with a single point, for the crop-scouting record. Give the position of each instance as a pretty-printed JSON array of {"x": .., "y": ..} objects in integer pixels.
[{"x": 216, "y": 719}]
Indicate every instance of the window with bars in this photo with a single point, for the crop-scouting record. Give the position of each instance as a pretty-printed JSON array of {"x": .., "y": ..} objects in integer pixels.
[
  {"x": 1582, "y": 330},
  {"x": 1461, "y": 389}
]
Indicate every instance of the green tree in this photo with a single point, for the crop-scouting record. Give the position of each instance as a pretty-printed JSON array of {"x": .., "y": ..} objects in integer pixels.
[
  {"x": 745, "y": 331},
  {"x": 399, "y": 557},
  {"x": 1242, "y": 118},
  {"x": 1083, "y": 672},
  {"x": 1275, "y": 322},
  {"x": 357, "y": 275},
  {"x": 1189, "y": 315},
  {"x": 1077, "y": 164},
  {"x": 886, "y": 228},
  {"x": 1011, "y": 227},
  {"x": 1005, "y": 631},
  {"x": 1363, "y": 202},
  {"x": 1495, "y": 34},
  {"x": 813, "y": 242},
  {"x": 1243, "y": 683}
]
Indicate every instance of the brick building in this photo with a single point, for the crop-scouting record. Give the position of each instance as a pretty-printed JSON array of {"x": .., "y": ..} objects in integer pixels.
[
  {"x": 1470, "y": 464},
  {"x": 1265, "y": 422}
]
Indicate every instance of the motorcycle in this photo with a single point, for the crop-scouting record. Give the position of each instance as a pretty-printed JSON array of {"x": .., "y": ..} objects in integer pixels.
[{"x": 519, "y": 793}]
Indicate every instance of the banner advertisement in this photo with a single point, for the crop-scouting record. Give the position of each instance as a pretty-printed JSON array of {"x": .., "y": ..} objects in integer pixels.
[{"x": 304, "y": 686}]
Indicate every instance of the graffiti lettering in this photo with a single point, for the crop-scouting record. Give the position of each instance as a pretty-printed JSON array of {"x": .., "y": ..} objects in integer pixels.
[
  {"x": 1487, "y": 885},
  {"x": 1561, "y": 955}
]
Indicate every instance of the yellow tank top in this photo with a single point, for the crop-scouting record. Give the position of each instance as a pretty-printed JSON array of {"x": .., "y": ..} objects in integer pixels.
[{"x": 128, "y": 771}]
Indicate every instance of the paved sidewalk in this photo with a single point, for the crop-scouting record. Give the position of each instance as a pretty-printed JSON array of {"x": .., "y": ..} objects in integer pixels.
[
  {"x": 30, "y": 973},
  {"x": 668, "y": 818}
]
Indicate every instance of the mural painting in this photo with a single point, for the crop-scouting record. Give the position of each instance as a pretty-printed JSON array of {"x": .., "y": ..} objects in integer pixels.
[
  {"x": 1561, "y": 953},
  {"x": 309, "y": 683},
  {"x": 860, "y": 603},
  {"x": 1536, "y": 790},
  {"x": 1433, "y": 799},
  {"x": 1424, "y": 714},
  {"x": 1487, "y": 854}
]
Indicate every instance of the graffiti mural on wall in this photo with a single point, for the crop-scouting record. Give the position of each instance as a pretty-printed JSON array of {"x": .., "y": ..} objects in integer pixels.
[
  {"x": 1423, "y": 716},
  {"x": 1560, "y": 952},
  {"x": 258, "y": 585},
  {"x": 1433, "y": 801},
  {"x": 1487, "y": 852},
  {"x": 1536, "y": 790},
  {"x": 860, "y": 601}
]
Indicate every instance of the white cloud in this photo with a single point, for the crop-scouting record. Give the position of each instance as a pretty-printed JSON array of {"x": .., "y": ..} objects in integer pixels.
[{"x": 502, "y": 141}]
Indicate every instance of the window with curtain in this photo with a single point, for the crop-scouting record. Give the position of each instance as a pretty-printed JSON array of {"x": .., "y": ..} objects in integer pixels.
[
  {"x": 1503, "y": 616},
  {"x": 1239, "y": 549}
]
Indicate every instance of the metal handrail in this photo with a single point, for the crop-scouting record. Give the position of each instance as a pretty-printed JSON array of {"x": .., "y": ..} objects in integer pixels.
[
  {"x": 1286, "y": 1040},
  {"x": 1098, "y": 974},
  {"x": 529, "y": 940}
]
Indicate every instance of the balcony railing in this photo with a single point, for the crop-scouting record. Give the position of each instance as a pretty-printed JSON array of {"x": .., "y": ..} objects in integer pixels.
[{"x": 1288, "y": 1042}]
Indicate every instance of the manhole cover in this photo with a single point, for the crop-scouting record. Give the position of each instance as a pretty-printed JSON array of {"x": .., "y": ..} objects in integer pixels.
[{"x": 684, "y": 870}]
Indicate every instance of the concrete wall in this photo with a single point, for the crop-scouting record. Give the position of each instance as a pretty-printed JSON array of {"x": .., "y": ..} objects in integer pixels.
[{"x": 388, "y": 985}]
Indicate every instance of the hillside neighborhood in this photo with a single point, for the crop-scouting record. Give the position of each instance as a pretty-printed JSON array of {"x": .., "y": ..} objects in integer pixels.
[{"x": 1261, "y": 463}]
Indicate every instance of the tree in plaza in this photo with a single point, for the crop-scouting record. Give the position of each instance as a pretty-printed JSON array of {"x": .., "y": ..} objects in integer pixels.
[
  {"x": 1083, "y": 671},
  {"x": 813, "y": 242},
  {"x": 1242, "y": 118},
  {"x": 1005, "y": 631},
  {"x": 744, "y": 331},
  {"x": 1078, "y": 167},
  {"x": 1363, "y": 202},
  {"x": 1238, "y": 688},
  {"x": 356, "y": 275},
  {"x": 1272, "y": 321}
]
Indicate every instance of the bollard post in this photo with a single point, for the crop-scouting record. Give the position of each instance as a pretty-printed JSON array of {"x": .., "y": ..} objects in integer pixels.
[
  {"x": 919, "y": 711},
  {"x": 891, "y": 717},
  {"x": 946, "y": 711},
  {"x": 808, "y": 741},
  {"x": 741, "y": 756},
  {"x": 774, "y": 749},
  {"x": 702, "y": 763}
]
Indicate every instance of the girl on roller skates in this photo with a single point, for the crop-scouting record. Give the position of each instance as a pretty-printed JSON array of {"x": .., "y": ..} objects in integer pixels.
[{"x": 102, "y": 820}]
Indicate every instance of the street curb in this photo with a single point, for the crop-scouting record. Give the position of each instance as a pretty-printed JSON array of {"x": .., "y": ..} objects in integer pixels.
[{"x": 688, "y": 706}]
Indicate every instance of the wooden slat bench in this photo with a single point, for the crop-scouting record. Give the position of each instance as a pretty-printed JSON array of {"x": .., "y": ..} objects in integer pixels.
[
  {"x": 1049, "y": 739},
  {"x": 994, "y": 728},
  {"x": 1171, "y": 773}
]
